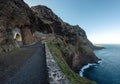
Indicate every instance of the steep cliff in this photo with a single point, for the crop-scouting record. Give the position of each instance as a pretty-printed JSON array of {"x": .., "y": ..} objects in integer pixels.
[
  {"x": 14, "y": 14},
  {"x": 76, "y": 49},
  {"x": 18, "y": 23}
]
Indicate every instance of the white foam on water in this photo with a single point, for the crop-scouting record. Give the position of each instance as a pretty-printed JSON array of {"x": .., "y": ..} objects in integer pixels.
[
  {"x": 87, "y": 66},
  {"x": 99, "y": 61}
]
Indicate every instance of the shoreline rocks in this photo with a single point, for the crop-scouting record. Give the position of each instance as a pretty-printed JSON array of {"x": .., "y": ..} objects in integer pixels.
[{"x": 99, "y": 47}]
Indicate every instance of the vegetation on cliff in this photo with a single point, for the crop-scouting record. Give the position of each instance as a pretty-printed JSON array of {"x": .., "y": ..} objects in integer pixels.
[
  {"x": 76, "y": 50},
  {"x": 57, "y": 46},
  {"x": 69, "y": 44}
]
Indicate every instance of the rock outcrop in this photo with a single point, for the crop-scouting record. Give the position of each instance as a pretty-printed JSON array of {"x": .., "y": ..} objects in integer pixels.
[
  {"x": 14, "y": 14},
  {"x": 76, "y": 49}
]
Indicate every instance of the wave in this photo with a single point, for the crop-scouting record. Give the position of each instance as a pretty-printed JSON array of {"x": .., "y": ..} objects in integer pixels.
[
  {"x": 87, "y": 66},
  {"x": 99, "y": 61}
]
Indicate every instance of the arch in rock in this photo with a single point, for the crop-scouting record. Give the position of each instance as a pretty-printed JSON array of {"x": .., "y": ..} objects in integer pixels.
[
  {"x": 17, "y": 37},
  {"x": 17, "y": 34}
]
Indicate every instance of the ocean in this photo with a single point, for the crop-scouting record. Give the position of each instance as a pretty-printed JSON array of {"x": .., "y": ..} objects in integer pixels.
[{"x": 108, "y": 71}]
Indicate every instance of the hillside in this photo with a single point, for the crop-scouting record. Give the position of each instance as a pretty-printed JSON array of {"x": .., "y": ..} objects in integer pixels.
[
  {"x": 19, "y": 22},
  {"x": 72, "y": 41}
]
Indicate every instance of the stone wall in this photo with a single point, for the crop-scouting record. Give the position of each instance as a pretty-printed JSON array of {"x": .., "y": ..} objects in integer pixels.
[{"x": 56, "y": 76}]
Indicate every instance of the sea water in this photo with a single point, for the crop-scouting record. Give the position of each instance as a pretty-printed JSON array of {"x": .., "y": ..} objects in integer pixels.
[{"x": 108, "y": 71}]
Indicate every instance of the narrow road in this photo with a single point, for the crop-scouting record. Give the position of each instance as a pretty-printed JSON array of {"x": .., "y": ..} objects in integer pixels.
[{"x": 34, "y": 70}]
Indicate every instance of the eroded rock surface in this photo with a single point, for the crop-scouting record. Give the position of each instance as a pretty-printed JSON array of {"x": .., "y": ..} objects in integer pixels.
[
  {"x": 13, "y": 14},
  {"x": 72, "y": 38},
  {"x": 76, "y": 49}
]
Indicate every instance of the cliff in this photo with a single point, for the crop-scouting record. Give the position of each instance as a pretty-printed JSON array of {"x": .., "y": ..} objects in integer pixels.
[
  {"x": 16, "y": 20},
  {"x": 19, "y": 22},
  {"x": 72, "y": 41}
]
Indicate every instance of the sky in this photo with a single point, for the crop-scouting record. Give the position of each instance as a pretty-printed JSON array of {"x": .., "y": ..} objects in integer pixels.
[{"x": 99, "y": 18}]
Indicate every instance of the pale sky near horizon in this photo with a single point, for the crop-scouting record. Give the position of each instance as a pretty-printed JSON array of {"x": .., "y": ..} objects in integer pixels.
[{"x": 99, "y": 18}]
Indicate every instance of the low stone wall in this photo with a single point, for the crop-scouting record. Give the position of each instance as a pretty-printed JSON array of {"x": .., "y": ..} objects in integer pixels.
[{"x": 56, "y": 76}]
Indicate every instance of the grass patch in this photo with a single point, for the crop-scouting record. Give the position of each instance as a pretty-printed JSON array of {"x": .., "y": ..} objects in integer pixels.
[
  {"x": 47, "y": 21},
  {"x": 15, "y": 49},
  {"x": 57, "y": 54}
]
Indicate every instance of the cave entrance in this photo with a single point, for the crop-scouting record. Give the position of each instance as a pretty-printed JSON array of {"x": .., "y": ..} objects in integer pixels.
[{"x": 18, "y": 37}]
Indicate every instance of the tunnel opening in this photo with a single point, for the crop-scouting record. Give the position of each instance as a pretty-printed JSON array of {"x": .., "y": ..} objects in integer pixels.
[{"x": 18, "y": 37}]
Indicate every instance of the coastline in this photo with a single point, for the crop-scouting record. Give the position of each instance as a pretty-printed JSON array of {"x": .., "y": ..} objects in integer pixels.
[{"x": 88, "y": 66}]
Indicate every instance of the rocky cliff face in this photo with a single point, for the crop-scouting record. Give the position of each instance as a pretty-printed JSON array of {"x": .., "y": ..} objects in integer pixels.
[
  {"x": 15, "y": 15},
  {"x": 76, "y": 49}
]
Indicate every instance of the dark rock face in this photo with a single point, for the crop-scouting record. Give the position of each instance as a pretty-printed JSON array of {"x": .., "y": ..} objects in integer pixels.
[
  {"x": 13, "y": 13},
  {"x": 27, "y": 35},
  {"x": 16, "y": 13},
  {"x": 98, "y": 47},
  {"x": 72, "y": 36},
  {"x": 45, "y": 13}
]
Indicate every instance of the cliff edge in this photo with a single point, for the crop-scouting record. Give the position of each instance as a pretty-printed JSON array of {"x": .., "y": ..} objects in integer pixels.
[
  {"x": 19, "y": 24},
  {"x": 72, "y": 41}
]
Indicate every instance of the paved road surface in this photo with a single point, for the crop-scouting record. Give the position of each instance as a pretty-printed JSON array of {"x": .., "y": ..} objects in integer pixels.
[{"x": 34, "y": 70}]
